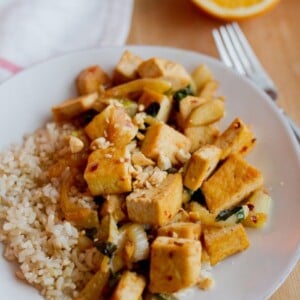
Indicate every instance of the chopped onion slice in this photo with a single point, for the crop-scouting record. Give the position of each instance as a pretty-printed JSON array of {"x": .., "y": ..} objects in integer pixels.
[{"x": 137, "y": 234}]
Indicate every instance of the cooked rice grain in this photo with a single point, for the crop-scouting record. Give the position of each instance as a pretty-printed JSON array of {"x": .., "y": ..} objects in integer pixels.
[{"x": 31, "y": 226}]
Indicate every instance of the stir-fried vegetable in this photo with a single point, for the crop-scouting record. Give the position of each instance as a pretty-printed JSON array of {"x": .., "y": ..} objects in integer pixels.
[
  {"x": 137, "y": 85},
  {"x": 226, "y": 213},
  {"x": 96, "y": 285},
  {"x": 106, "y": 248},
  {"x": 80, "y": 216}
]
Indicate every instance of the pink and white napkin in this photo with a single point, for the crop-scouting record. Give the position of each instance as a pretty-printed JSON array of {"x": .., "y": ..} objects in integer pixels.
[{"x": 34, "y": 30}]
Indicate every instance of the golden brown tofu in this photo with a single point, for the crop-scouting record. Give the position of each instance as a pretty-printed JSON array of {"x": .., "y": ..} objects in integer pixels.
[
  {"x": 107, "y": 171},
  {"x": 209, "y": 112},
  {"x": 204, "y": 255},
  {"x": 114, "y": 124},
  {"x": 231, "y": 183},
  {"x": 237, "y": 138},
  {"x": 126, "y": 69},
  {"x": 157, "y": 205},
  {"x": 174, "y": 264},
  {"x": 73, "y": 107},
  {"x": 161, "y": 139},
  {"x": 150, "y": 98},
  {"x": 223, "y": 242},
  {"x": 97, "y": 127},
  {"x": 185, "y": 230},
  {"x": 89, "y": 80},
  {"x": 201, "y": 165},
  {"x": 166, "y": 69},
  {"x": 201, "y": 135},
  {"x": 130, "y": 286},
  {"x": 186, "y": 105}
]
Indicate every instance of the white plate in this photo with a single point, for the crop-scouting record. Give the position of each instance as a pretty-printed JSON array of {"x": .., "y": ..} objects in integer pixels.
[{"x": 26, "y": 100}]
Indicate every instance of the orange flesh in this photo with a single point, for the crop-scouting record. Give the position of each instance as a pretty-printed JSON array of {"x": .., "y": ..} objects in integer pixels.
[{"x": 236, "y": 3}]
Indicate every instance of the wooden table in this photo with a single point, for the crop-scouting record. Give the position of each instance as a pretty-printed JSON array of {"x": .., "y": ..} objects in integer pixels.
[{"x": 275, "y": 38}]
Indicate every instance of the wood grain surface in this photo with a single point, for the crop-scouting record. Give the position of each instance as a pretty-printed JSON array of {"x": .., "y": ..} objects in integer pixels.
[{"x": 275, "y": 37}]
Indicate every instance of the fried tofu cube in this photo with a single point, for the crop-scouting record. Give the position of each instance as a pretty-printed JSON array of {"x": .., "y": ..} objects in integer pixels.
[
  {"x": 174, "y": 264},
  {"x": 90, "y": 79},
  {"x": 237, "y": 138},
  {"x": 201, "y": 135},
  {"x": 166, "y": 69},
  {"x": 186, "y": 105},
  {"x": 225, "y": 241},
  {"x": 114, "y": 124},
  {"x": 156, "y": 104},
  {"x": 161, "y": 139},
  {"x": 126, "y": 69},
  {"x": 231, "y": 183},
  {"x": 185, "y": 230},
  {"x": 204, "y": 255},
  {"x": 209, "y": 112},
  {"x": 73, "y": 107},
  {"x": 130, "y": 286},
  {"x": 107, "y": 171},
  {"x": 200, "y": 166},
  {"x": 157, "y": 205},
  {"x": 97, "y": 127}
]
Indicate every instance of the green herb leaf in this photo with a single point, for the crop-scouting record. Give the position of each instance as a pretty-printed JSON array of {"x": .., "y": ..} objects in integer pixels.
[
  {"x": 240, "y": 215},
  {"x": 226, "y": 213},
  {"x": 153, "y": 109},
  {"x": 106, "y": 248},
  {"x": 180, "y": 94}
]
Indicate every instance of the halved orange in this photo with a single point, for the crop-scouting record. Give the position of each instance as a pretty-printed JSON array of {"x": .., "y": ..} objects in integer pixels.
[{"x": 235, "y": 9}]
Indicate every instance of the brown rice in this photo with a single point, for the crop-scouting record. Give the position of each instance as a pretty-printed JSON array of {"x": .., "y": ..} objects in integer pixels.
[{"x": 31, "y": 226}]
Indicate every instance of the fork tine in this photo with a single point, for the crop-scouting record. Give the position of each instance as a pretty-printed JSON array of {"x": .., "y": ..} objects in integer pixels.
[
  {"x": 238, "y": 49},
  {"x": 247, "y": 48},
  {"x": 231, "y": 51},
  {"x": 221, "y": 48}
]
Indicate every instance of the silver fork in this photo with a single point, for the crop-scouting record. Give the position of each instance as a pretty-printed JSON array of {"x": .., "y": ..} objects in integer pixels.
[{"x": 236, "y": 52}]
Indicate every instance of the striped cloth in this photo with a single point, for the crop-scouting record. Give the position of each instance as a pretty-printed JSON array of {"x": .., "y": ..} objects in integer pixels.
[{"x": 34, "y": 30}]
